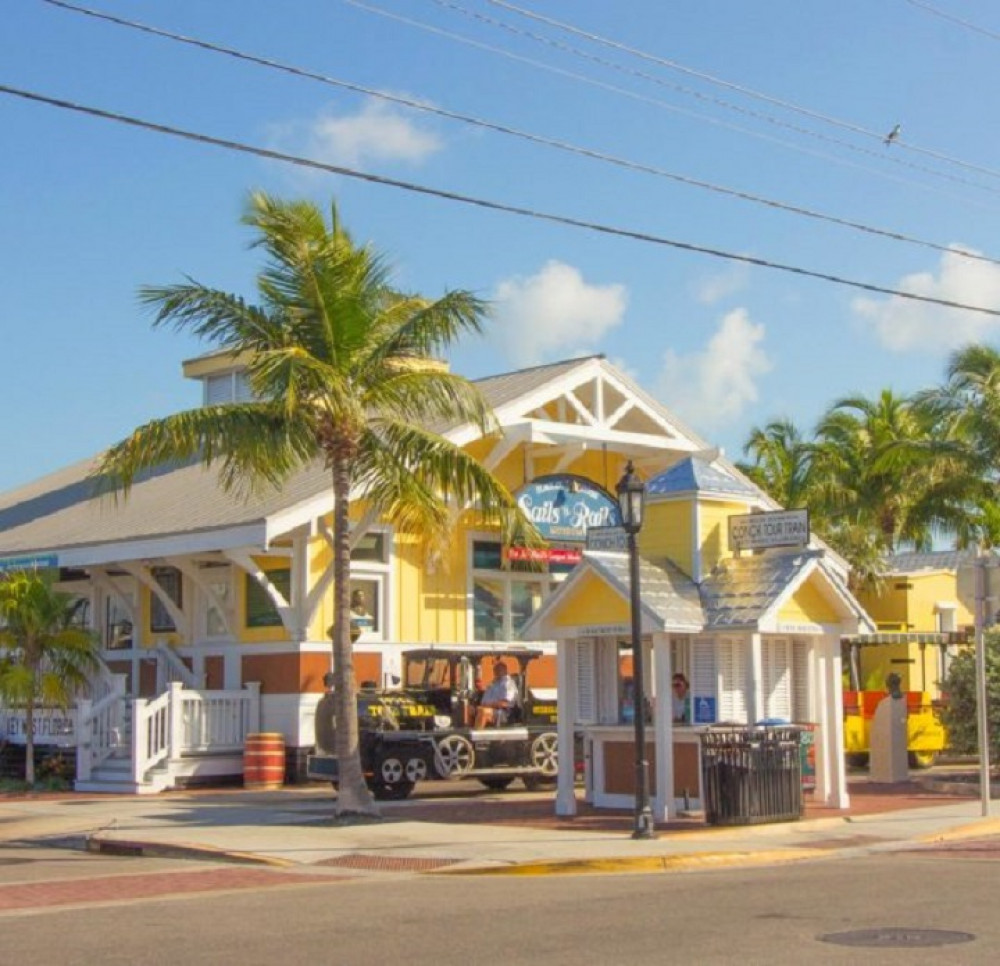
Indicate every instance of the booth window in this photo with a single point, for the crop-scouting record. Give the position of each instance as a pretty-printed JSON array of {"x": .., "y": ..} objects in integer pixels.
[
  {"x": 169, "y": 579},
  {"x": 259, "y": 608}
]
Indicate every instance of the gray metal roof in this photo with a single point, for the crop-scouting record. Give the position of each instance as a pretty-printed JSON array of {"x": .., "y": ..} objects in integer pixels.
[
  {"x": 741, "y": 590},
  {"x": 694, "y": 474},
  {"x": 61, "y": 510},
  {"x": 667, "y": 594},
  {"x": 912, "y": 562}
]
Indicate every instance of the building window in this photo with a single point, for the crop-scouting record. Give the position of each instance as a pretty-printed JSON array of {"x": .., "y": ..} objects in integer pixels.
[
  {"x": 259, "y": 608},
  {"x": 505, "y": 595},
  {"x": 169, "y": 579},
  {"x": 117, "y": 625}
]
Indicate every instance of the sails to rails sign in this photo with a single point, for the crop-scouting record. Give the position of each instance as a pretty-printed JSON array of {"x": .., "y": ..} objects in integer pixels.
[{"x": 757, "y": 531}]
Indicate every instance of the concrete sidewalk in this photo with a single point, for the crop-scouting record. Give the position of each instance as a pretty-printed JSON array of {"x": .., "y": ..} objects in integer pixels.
[{"x": 482, "y": 833}]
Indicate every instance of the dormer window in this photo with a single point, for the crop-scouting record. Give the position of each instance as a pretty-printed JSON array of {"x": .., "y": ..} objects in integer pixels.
[{"x": 227, "y": 387}]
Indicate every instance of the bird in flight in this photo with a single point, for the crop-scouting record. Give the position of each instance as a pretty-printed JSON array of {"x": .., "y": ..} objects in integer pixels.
[{"x": 893, "y": 135}]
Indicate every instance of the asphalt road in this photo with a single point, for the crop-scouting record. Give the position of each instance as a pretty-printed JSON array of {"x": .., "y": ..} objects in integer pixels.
[{"x": 154, "y": 912}]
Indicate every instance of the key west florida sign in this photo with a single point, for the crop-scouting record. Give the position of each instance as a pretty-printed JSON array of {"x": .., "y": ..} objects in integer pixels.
[
  {"x": 564, "y": 507},
  {"x": 779, "y": 528}
]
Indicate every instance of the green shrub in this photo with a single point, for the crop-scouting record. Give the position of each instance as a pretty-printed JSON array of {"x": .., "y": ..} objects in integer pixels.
[{"x": 960, "y": 714}]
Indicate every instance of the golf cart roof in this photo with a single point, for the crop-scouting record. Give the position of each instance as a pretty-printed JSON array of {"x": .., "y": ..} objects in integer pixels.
[{"x": 472, "y": 650}]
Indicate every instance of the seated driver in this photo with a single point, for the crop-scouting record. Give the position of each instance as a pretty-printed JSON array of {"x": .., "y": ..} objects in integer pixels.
[{"x": 497, "y": 699}]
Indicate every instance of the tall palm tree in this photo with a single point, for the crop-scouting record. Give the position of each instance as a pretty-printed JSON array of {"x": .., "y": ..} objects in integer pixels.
[
  {"x": 343, "y": 369},
  {"x": 879, "y": 466},
  {"x": 44, "y": 659},
  {"x": 782, "y": 460},
  {"x": 966, "y": 410}
]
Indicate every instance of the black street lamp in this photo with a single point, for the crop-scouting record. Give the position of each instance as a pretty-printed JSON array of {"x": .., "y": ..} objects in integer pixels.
[{"x": 631, "y": 495}]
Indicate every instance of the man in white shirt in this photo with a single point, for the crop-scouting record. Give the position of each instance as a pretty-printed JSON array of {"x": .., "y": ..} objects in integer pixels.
[{"x": 497, "y": 699}]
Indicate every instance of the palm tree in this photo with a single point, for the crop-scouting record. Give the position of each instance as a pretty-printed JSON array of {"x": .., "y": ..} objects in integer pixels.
[
  {"x": 879, "y": 465},
  {"x": 343, "y": 369},
  {"x": 782, "y": 461},
  {"x": 44, "y": 658},
  {"x": 967, "y": 412}
]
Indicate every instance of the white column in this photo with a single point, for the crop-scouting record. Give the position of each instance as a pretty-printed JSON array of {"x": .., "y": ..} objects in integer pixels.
[
  {"x": 664, "y": 794},
  {"x": 566, "y": 676},
  {"x": 84, "y": 740},
  {"x": 831, "y": 773}
]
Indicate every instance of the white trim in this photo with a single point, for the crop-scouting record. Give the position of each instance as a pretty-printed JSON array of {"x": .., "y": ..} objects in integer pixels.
[{"x": 173, "y": 545}]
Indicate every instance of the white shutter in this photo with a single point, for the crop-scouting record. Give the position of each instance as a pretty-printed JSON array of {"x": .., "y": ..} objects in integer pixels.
[
  {"x": 242, "y": 390},
  {"x": 703, "y": 679},
  {"x": 732, "y": 680},
  {"x": 801, "y": 710},
  {"x": 219, "y": 389},
  {"x": 777, "y": 670},
  {"x": 586, "y": 683}
]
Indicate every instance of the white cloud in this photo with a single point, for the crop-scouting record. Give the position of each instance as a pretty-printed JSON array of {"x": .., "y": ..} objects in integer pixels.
[
  {"x": 712, "y": 387},
  {"x": 377, "y": 132},
  {"x": 904, "y": 325},
  {"x": 554, "y": 311},
  {"x": 714, "y": 288}
]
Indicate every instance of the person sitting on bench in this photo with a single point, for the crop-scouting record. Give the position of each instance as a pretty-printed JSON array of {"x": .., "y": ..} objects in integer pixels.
[{"x": 497, "y": 699}]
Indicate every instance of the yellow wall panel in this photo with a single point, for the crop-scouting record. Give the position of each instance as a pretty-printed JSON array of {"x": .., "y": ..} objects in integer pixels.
[
  {"x": 809, "y": 605},
  {"x": 592, "y": 601},
  {"x": 667, "y": 532}
]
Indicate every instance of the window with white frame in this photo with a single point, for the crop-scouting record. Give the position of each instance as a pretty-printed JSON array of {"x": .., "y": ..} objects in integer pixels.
[
  {"x": 369, "y": 584},
  {"x": 227, "y": 387},
  {"x": 505, "y": 594}
]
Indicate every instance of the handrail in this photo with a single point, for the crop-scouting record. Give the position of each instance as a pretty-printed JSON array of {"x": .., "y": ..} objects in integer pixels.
[
  {"x": 176, "y": 669},
  {"x": 100, "y": 725},
  {"x": 151, "y": 731}
]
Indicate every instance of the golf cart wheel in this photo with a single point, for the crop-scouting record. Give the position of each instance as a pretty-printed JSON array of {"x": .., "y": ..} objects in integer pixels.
[
  {"x": 391, "y": 793},
  {"x": 454, "y": 756},
  {"x": 545, "y": 754},
  {"x": 415, "y": 770},
  {"x": 921, "y": 759},
  {"x": 496, "y": 784}
]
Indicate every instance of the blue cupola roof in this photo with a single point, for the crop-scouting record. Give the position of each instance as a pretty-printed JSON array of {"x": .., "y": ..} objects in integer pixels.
[{"x": 697, "y": 475}]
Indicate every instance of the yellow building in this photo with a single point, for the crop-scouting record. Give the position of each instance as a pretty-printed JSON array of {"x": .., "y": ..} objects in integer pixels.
[
  {"x": 212, "y": 608},
  {"x": 923, "y": 611}
]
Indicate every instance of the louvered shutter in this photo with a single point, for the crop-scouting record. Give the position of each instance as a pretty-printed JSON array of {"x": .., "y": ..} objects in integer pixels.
[
  {"x": 219, "y": 389},
  {"x": 801, "y": 710},
  {"x": 732, "y": 680},
  {"x": 242, "y": 388},
  {"x": 586, "y": 683},
  {"x": 704, "y": 683},
  {"x": 777, "y": 670}
]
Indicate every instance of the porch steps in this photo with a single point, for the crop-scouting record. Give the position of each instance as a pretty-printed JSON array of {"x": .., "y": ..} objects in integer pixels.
[{"x": 114, "y": 775}]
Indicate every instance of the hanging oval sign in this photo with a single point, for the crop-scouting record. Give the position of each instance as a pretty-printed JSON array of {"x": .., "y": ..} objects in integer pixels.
[{"x": 564, "y": 506}]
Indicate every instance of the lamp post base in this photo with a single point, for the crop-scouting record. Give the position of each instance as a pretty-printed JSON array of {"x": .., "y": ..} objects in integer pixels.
[{"x": 644, "y": 825}]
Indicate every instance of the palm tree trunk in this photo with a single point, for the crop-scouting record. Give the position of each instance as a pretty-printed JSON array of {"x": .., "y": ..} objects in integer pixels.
[
  {"x": 29, "y": 738},
  {"x": 353, "y": 795}
]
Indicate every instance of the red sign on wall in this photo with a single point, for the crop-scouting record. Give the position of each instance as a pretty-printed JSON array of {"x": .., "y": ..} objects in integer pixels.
[{"x": 550, "y": 555}]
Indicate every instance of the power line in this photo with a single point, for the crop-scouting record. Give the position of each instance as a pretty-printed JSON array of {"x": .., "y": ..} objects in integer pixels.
[
  {"x": 514, "y": 132},
  {"x": 656, "y": 102},
  {"x": 729, "y": 85},
  {"x": 944, "y": 15},
  {"x": 484, "y": 203}
]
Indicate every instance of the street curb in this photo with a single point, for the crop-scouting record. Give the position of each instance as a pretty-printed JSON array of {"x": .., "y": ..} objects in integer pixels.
[
  {"x": 975, "y": 829},
  {"x": 159, "y": 850},
  {"x": 641, "y": 864}
]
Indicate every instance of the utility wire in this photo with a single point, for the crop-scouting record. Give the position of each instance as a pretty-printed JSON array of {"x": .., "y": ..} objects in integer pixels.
[
  {"x": 515, "y": 132},
  {"x": 729, "y": 85},
  {"x": 944, "y": 15},
  {"x": 484, "y": 203},
  {"x": 657, "y": 102}
]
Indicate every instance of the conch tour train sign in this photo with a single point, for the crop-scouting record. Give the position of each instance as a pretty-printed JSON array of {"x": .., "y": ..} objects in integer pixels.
[{"x": 564, "y": 507}]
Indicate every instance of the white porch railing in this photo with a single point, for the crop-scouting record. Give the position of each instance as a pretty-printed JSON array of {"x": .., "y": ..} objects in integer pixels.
[
  {"x": 100, "y": 725},
  {"x": 182, "y": 722},
  {"x": 171, "y": 668}
]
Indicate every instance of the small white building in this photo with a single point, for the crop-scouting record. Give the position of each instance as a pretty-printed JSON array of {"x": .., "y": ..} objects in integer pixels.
[{"x": 756, "y": 635}]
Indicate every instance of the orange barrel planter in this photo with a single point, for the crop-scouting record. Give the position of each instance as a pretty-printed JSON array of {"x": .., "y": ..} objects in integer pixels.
[{"x": 264, "y": 761}]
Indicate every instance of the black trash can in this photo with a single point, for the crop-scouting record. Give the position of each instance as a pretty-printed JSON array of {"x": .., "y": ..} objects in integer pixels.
[{"x": 751, "y": 775}]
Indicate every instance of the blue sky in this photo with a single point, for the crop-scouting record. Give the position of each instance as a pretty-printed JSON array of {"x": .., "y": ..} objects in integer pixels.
[{"x": 90, "y": 210}]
